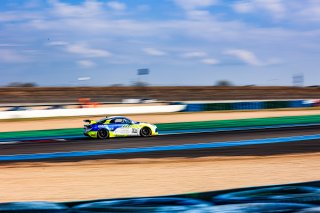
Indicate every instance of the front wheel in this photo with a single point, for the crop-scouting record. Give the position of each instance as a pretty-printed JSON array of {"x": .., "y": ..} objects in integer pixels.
[
  {"x": 103, "y": 134},
  {"x": 145, "y": 132}
]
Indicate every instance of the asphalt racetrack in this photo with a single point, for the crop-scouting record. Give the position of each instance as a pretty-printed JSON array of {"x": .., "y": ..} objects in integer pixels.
[{"x": 87, "y": 144}]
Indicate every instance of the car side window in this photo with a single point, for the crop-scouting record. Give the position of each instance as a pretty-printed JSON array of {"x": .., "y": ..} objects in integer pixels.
[
  {"x": 118, "y": 121},
  {"x": 127, "y": 121}
]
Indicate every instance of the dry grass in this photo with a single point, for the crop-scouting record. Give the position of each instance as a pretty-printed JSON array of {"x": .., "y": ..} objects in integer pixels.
[{"x": 148, "y": 177}]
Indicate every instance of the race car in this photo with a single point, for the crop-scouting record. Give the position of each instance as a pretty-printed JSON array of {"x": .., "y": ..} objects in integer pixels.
[{"x": 118, "y": 126}]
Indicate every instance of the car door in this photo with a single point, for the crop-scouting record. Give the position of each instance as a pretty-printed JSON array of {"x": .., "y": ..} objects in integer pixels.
[
  {"x": 132, "y": 129},
  {"x": 120, "y": 127},
  {"x": 114, "y": 126}
]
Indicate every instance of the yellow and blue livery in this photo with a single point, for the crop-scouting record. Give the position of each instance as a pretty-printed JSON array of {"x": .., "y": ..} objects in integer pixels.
[{"x": 118, "y": 126}]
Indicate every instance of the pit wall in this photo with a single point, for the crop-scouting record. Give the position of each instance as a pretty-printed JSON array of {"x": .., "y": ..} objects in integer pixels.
[{"x": 90, "y": 111}]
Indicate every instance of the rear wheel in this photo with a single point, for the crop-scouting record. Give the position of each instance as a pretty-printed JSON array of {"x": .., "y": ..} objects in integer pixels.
[
  {"x": 145, "y": 132},
  {"x": 103, "y": 134}
]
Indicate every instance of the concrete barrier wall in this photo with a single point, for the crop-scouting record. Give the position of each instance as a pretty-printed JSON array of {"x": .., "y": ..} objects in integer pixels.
[
  {"x": 91, "y": 111},
  {"x": 174, "y": 107},
  {"x": 250, "y": 105}
]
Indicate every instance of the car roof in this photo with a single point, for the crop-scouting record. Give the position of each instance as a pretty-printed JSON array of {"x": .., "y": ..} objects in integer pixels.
[{"x": 113, "y": 117}]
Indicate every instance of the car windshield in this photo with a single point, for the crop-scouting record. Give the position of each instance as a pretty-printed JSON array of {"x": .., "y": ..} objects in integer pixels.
[{"x": 128, "y": 121}]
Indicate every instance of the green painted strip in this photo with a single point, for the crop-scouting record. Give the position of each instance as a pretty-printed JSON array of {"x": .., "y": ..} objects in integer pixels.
[
  {"x": 241, "y": 123},
  {"x": 176, "y": 126},
  {"x": 42, "y": 133}
]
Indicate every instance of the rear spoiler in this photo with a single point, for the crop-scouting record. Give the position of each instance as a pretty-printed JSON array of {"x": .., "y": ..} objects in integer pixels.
[{"x": 89, "y": 121}]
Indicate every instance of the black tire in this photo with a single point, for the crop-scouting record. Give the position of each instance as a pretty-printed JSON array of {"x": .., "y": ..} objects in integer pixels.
[
  {"x": 103, "y": 134},
  {"x": 145, "y": 132}
]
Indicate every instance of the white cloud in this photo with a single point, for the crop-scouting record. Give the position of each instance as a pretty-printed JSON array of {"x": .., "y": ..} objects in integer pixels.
[
  {"x": 9, "y": 16},
  {"x": 85, "y": 78},
  {"x": 196, "y": 9},
  {"x": 154, "y": 52},
  {"x": 87, "y": 9},
  {"x": 245, "y": 56},
  {"x": 243, "y": 7},
  {"x": 57, "y": 43},
  {"x": 115, "y": 5},
  {"x": 103, "y": 30},
  {"x": 276, "y": 8},
  {"x": 86, "y": 63},
  {"x": 198, "y": 14},
  {"x": 310, "y": 11},
  {"x": 194, "y": 4},
  {"x": 210, "y": 61},
  {"x": 10, "y": 56},
  {"x": 88, "y": 52},
  {"x": 10, "y": 45},
  {"x": 194, "y": 54}
]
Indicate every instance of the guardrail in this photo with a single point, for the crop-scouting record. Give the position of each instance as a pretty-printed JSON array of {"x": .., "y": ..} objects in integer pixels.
[
  {"x": 91, "y": 111},
  {"x": 250, "y": 105}
]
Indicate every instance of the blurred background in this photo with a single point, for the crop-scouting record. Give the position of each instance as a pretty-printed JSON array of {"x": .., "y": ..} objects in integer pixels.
[
  {"x": 89, "y": 52},
  {"x": 203, "y": 71},
  {"x": 181, "y": 42}
]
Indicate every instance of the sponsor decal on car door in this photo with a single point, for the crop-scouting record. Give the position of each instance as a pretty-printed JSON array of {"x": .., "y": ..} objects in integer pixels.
[{"x": 120, "y": 130}]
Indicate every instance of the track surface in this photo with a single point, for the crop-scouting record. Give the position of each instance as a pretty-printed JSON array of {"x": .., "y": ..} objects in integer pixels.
[{"x": 179, "y": 139}]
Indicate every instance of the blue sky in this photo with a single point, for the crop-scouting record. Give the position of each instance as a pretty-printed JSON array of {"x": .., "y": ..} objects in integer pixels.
[{"x": 182, "y": 42}]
